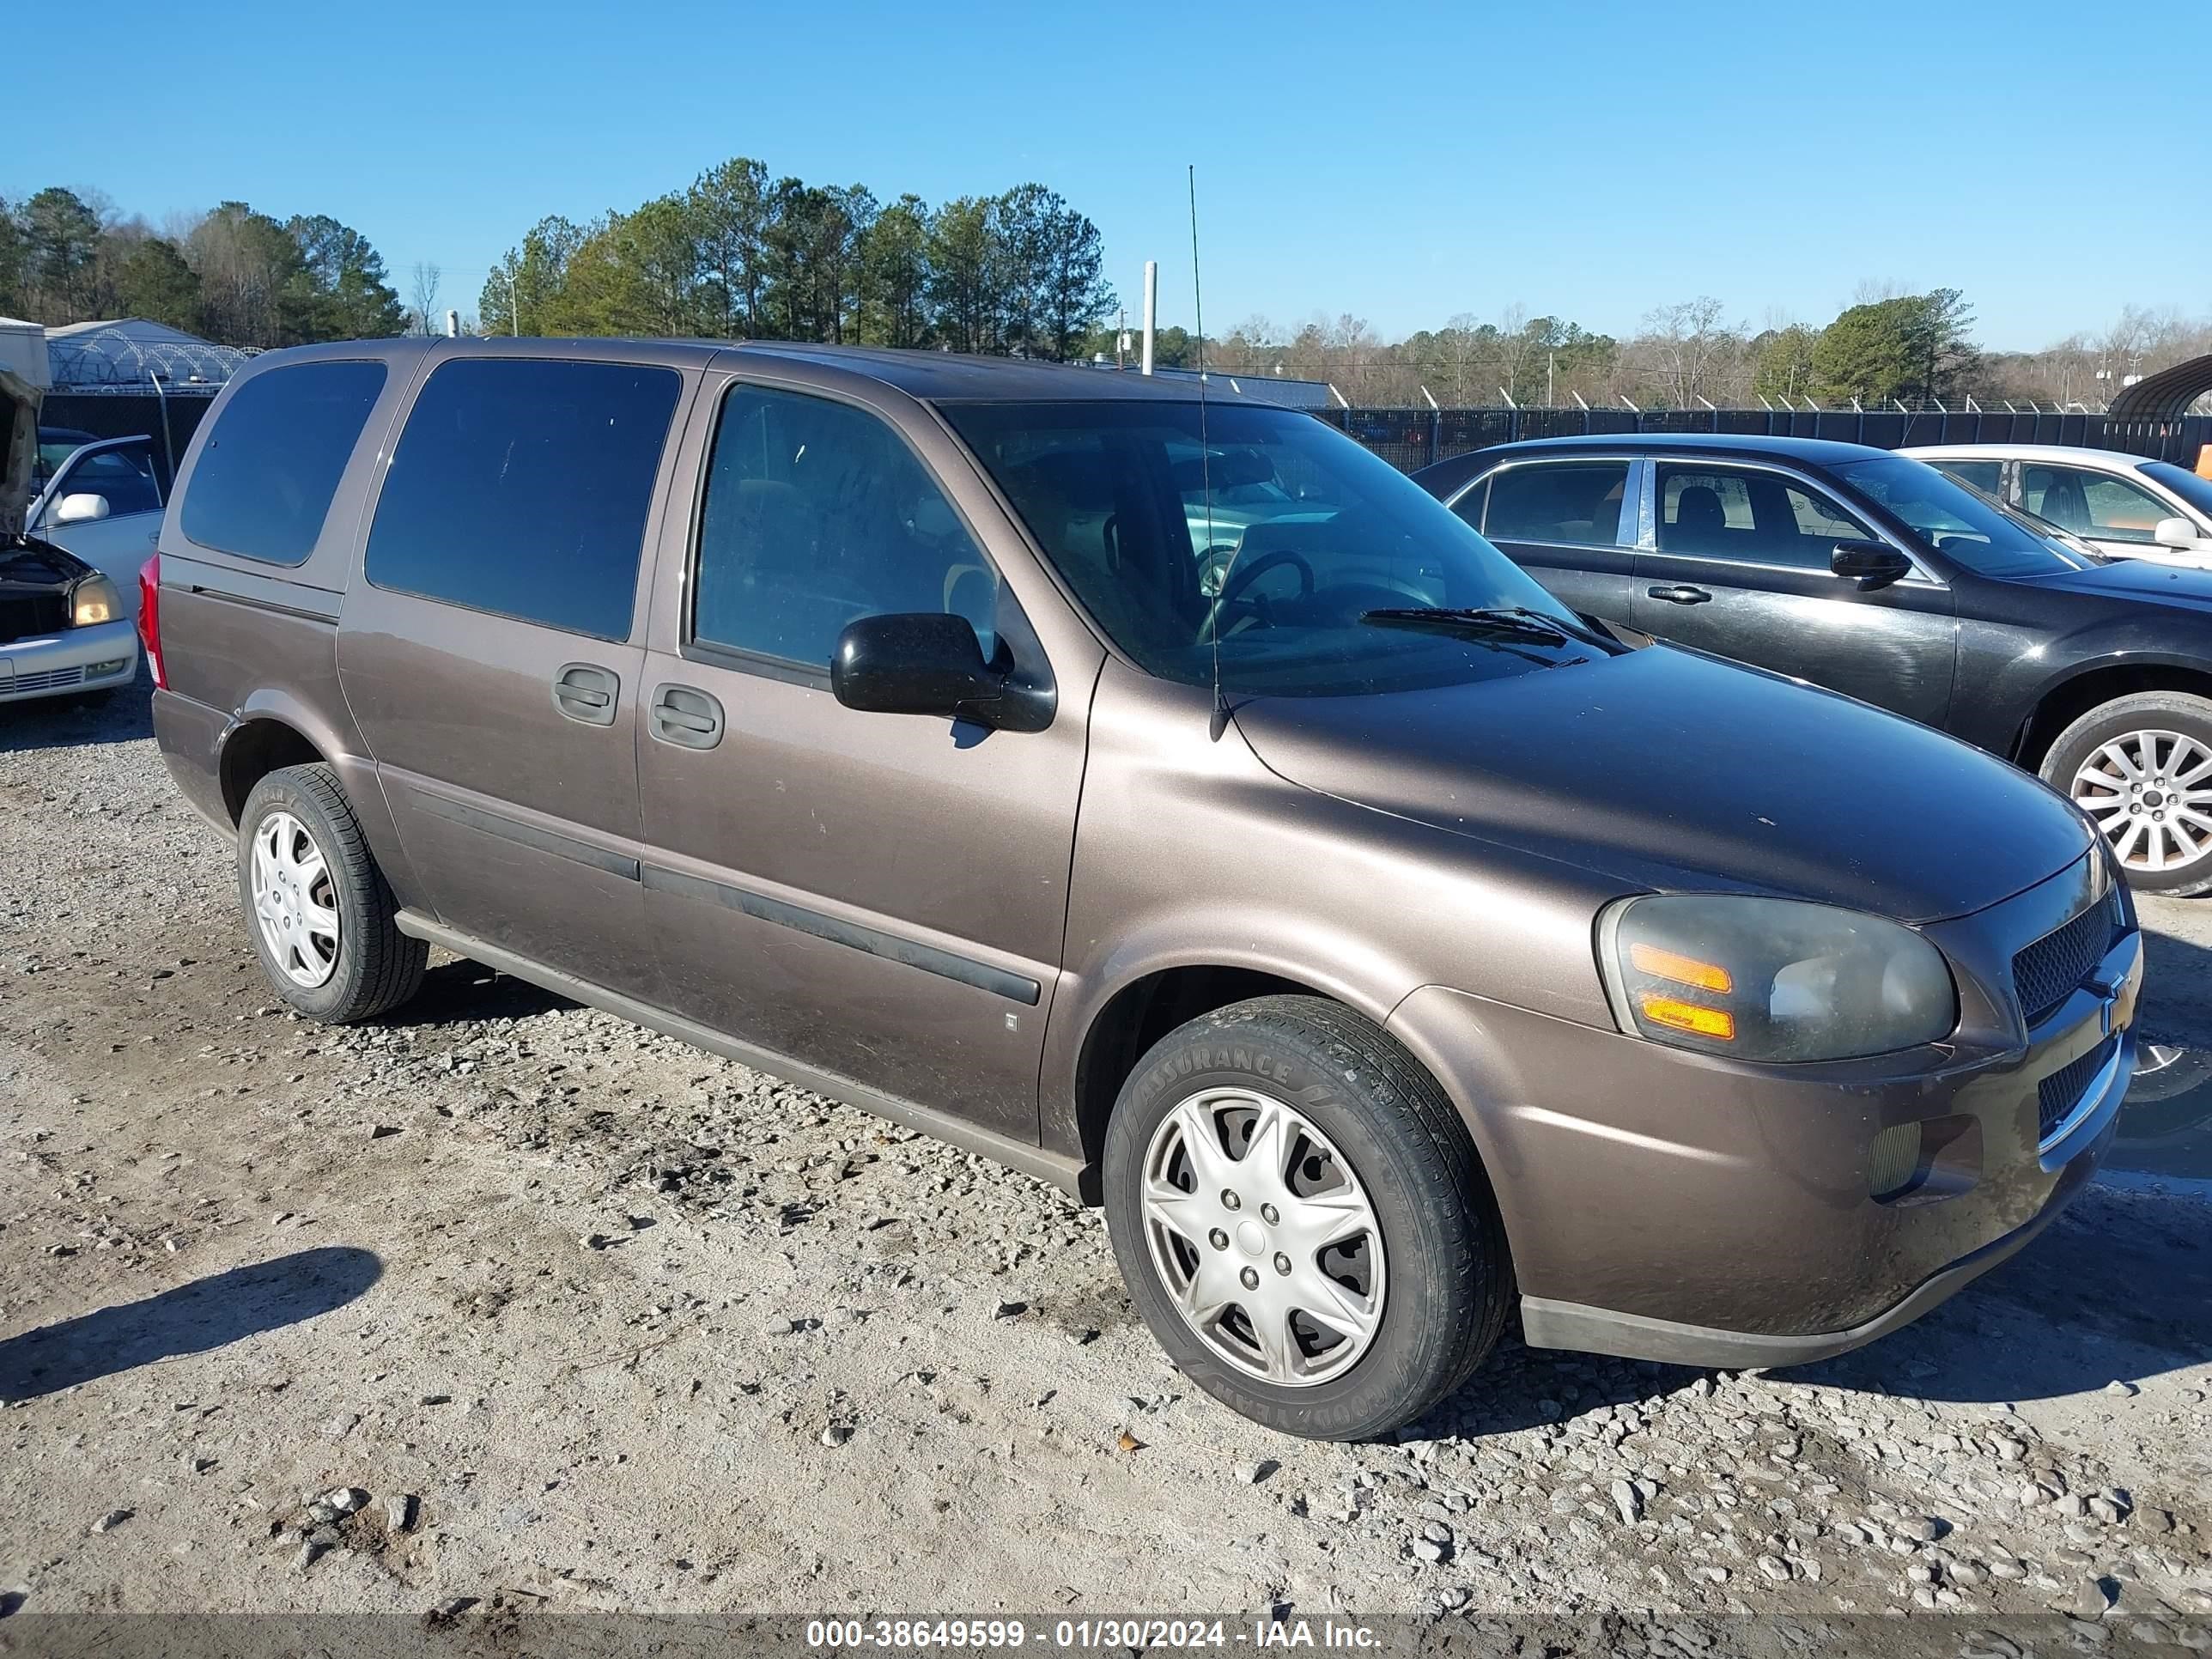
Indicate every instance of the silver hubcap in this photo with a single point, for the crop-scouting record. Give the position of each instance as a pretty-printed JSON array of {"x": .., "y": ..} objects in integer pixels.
[
  {"x": 1263, "y": 1234},
  {"x": 293, "y": 902},
  {"x": 2151, "y": 794}
]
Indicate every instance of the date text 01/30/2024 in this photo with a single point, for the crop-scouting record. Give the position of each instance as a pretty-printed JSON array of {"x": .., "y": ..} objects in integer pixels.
[{"x": 1121, "y": 1634}]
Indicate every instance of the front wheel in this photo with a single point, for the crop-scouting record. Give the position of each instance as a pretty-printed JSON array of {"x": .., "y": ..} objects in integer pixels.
[
  {"x": 2141, "y": 766},
  {"x": 1302, "y": 1220}
]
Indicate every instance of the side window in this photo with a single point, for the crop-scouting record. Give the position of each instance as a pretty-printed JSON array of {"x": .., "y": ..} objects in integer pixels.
[
  {"x": 1819, "y": 520},
  {"x": 265, "y": 476},
  {"x": 2093, "y": 503},
  {"x": 1755, "y": 518},
  {"x": 1577, "y": 503},
  {"x": 124, "y": 478},
  {"x": 817, "y": 513},
  {"x": 521, "y": 486},
  {"x": 1470, "y": 506},
  {"x": 1988, "y": 477},
  {"x": 1705, "y": 513}
]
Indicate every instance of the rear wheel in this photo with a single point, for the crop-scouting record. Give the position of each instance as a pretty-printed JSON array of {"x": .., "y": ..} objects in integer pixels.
[
  {"x": 318, "y": 908},
  {"x": 2140, "y": 766},
  {"x": 1302, "y": 1220}
]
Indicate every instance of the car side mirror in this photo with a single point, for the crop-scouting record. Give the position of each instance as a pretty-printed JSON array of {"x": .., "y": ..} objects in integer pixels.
[
  {"x": 1871, "y": 564},
  {"x": 918, "y": 662},
  {"x": 2174, "y": 532},
  {"x": 82, "y": 507}
]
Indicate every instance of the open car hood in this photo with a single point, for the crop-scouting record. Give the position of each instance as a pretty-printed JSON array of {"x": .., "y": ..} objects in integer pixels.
[{"x": 19, "y": 450}]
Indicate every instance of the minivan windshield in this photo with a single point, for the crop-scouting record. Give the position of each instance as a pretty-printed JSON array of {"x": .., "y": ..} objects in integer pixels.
[
  {"x": 1323, "y": 570},
  {"x": 1954, "y": 521}
]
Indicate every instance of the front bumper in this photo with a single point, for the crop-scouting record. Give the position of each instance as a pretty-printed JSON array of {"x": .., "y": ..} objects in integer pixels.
[
  {"x": 1664, "y": 1205},
  {"x": 1548, "y": 1324},
  {"x": 61, "y": 665}
]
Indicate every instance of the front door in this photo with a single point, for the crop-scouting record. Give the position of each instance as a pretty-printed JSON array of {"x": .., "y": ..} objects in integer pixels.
[
  {"x": 2112, "y": 515},
  {"x": 1740, "y": 568},
  {"x": 880, "y": 897},
  {"x": 491, "y": 655},
  {"x": 104, "y": 505}
]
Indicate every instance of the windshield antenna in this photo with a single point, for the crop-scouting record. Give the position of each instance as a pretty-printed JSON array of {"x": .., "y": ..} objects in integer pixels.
[{"x": 1220, "y": 721}]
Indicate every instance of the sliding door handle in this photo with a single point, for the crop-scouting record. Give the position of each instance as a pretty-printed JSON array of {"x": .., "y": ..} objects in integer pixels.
[
  {"x": 1681, "y": 593},
  {"x": 686, "y": 717}
]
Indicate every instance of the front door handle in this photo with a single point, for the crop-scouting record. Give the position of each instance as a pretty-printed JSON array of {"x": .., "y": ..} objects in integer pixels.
[
  {"x": 586, "y": 692},
  {"x": 1681, "y": 593},
  {"x": 686, "y": 717}
]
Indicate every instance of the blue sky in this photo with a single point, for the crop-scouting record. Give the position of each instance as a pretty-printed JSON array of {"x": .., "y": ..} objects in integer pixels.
[{"x": 1402, "y": 163}]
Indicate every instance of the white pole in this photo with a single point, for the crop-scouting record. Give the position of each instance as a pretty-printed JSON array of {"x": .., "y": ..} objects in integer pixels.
[
  {"x": 1430, "y": 396},
  {"x": 452, "y": 325},
  {"x": 1152, "y": 309}
]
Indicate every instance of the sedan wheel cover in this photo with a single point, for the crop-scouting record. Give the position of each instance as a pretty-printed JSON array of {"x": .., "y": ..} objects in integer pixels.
[
  {"x": 2151, "y": 794},
  {"x": 294, "y": 903},
  {"x": 1264, "y": 1237}
]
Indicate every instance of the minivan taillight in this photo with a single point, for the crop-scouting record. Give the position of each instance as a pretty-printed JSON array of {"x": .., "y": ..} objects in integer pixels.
[{"x": 149, "y": 617}]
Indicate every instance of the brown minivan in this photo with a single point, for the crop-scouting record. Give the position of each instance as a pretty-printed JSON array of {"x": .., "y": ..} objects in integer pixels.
[{"x": 1166, "y": 797}]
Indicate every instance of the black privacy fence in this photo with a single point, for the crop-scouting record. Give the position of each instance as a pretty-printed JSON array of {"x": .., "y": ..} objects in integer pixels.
[{"x": 1412, "y": 438}]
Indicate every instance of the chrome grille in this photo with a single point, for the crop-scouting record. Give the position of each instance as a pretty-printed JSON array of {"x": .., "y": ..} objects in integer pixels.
[
  {"x": 2044, "y": 974},
  {"x": 2057, "y": 1095}
]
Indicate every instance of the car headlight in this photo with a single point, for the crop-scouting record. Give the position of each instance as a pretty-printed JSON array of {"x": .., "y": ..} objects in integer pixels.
[
  {"x": 93, "y": 600},
  {"x": 1772, "y": 979}
]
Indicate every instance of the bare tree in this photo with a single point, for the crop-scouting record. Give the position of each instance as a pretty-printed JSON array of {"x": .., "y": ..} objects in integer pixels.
[
  {"x": 1689, "y": 351},
  {"x": 424, "y": 305}
]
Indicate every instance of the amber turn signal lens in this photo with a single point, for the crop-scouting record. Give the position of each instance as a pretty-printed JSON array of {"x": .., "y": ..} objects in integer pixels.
[
  {"x": 1689, "y": 1017},
  {"x": 1683, "y": 970}
]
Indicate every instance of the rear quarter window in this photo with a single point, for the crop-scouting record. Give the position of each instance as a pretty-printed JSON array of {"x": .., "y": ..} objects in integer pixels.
[
  {"x": 263, "y": 484},
  {"x": 521, "y": 486}
]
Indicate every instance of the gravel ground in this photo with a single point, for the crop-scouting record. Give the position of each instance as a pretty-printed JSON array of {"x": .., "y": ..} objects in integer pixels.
[{"x": 506, "y": 1299}]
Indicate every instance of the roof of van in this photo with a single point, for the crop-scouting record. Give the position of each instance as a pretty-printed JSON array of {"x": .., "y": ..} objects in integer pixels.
[
  {"x": 953, "y": 377},
  {"x": 935, "y": 376}
]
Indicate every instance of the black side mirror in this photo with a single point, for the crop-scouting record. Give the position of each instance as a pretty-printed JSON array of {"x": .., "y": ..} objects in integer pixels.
[
  {"x": 1871, "y": 564},
  {"x": 917, "y": 662}
]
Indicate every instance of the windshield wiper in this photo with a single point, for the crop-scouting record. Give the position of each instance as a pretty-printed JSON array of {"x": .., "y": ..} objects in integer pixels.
[{"x": 1519, "y": 622}]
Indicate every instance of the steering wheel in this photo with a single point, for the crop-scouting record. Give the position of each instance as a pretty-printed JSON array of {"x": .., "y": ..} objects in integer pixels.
[{"x": 1244, "y": 576}]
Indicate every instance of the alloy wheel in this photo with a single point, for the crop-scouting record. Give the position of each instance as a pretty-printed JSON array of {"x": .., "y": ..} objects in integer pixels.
[
  {"x": 1264, "y": 1237},
  {"x": 2150, "y": 792},
  {"x": 294, "y": 903}
]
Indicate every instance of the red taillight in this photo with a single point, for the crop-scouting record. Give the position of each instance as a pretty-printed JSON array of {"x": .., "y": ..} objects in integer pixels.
[{"x": 149, "y": 617}]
